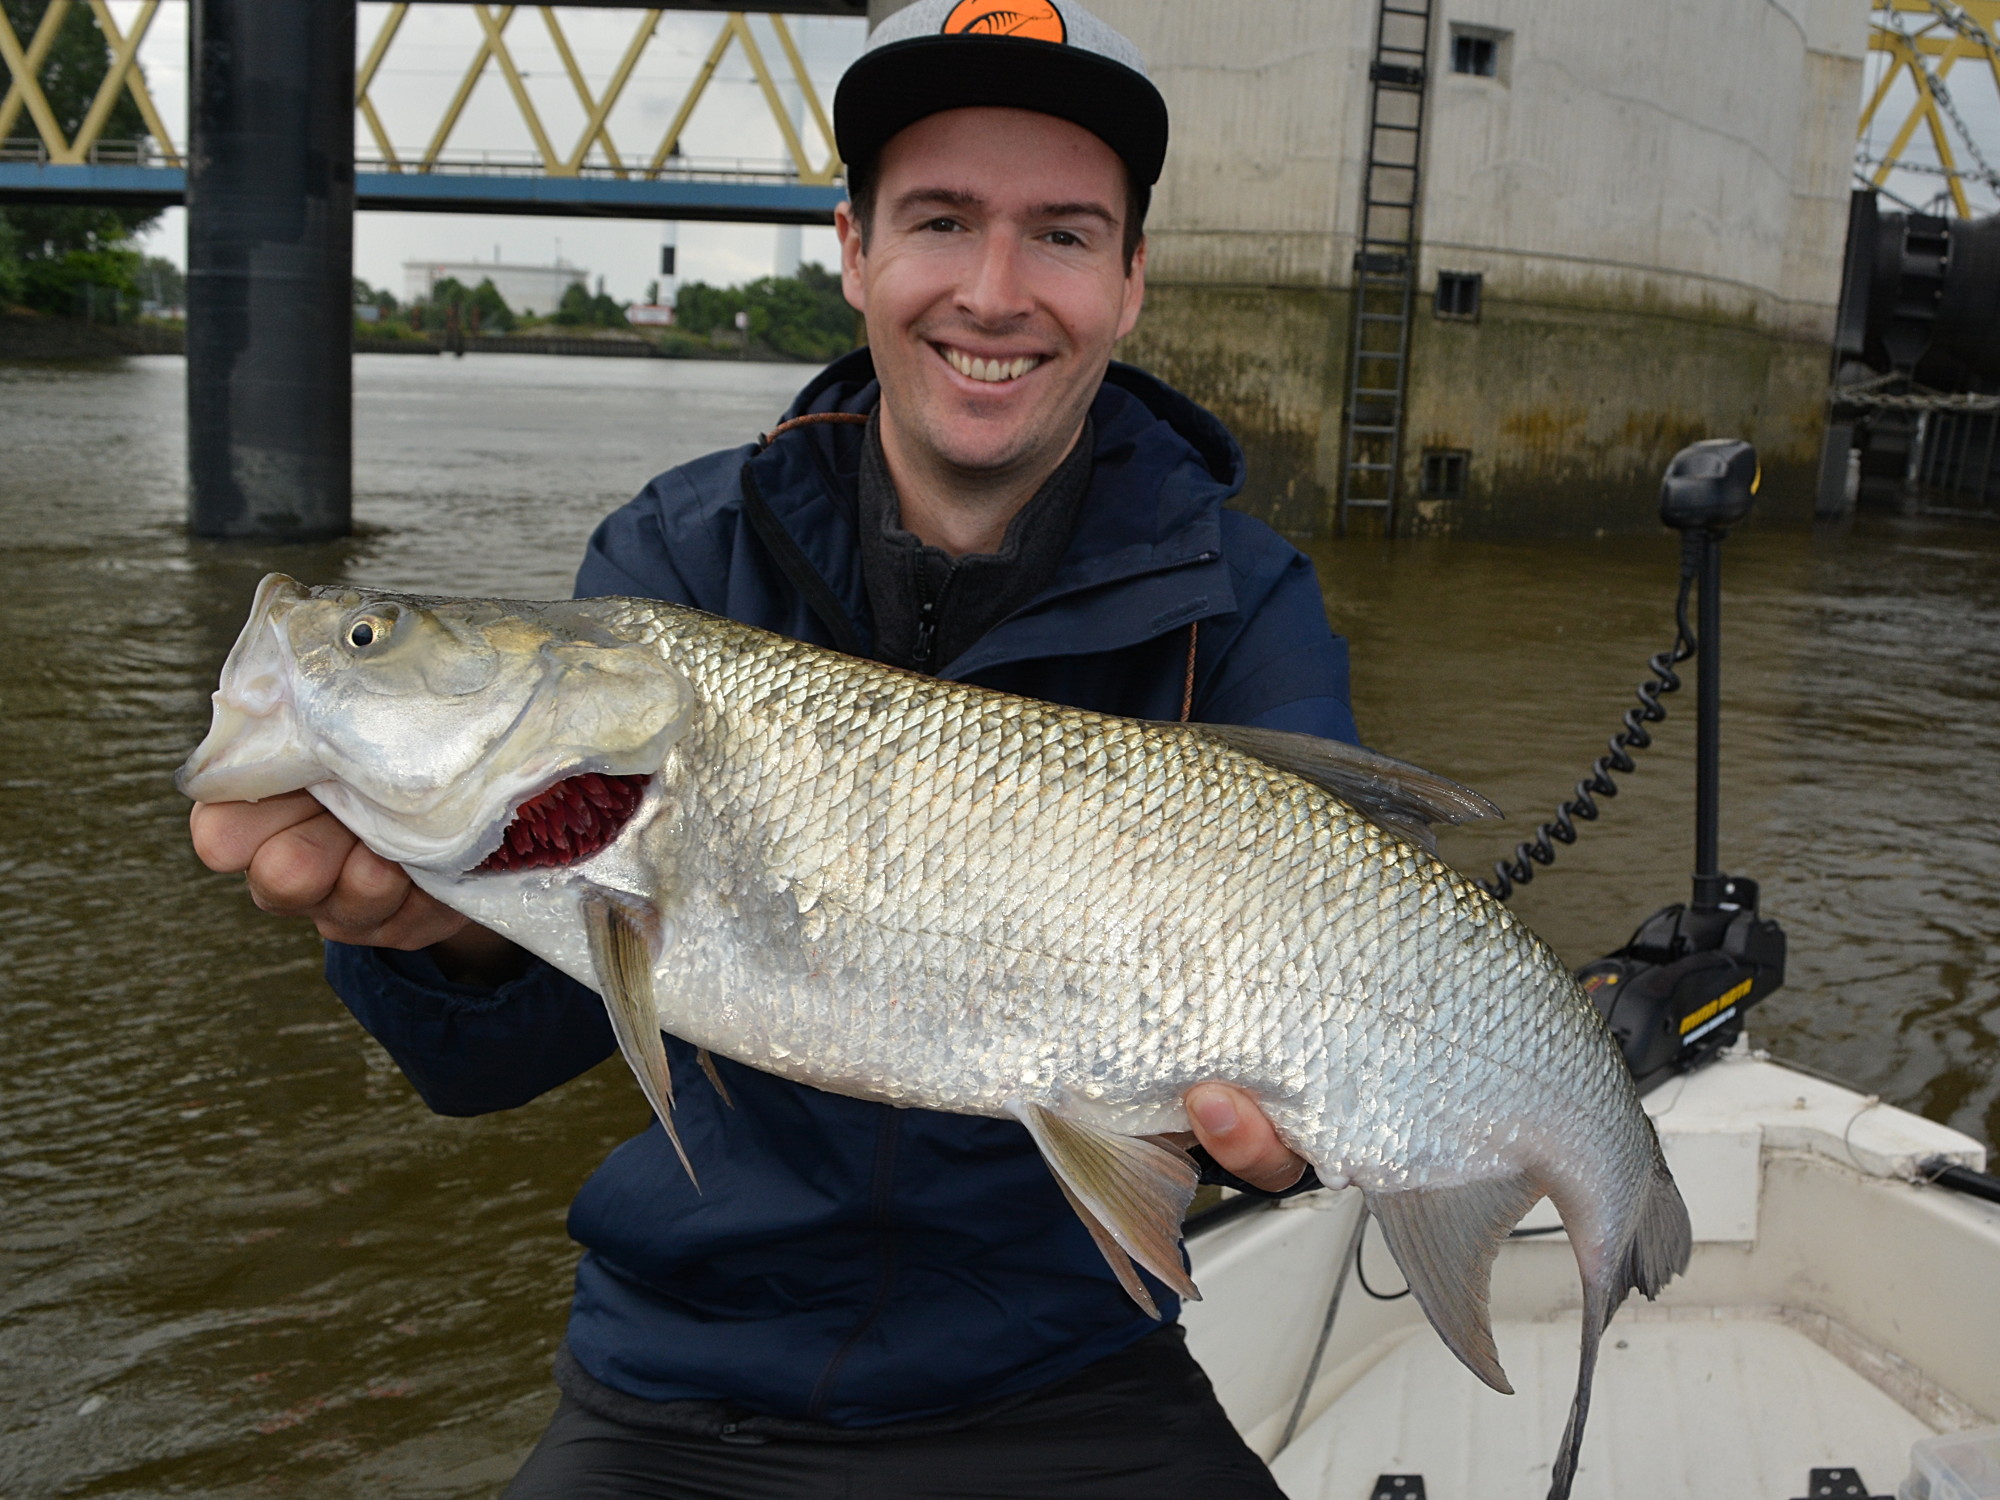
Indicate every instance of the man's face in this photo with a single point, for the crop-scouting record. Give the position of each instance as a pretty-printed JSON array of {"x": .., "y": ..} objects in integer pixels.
[{"x": 993, "y": 284}]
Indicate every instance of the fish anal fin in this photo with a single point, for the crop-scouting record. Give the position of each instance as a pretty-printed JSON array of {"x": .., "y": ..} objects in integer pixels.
[
  {"x": 1136, "y": 1192},
  {"x": 1393, "y": 794},
  {"x": 621, "y": 950},
  {"x": 1445, "y": 1239},
  {"x": 1114, "y": 1255},
  {"x": 714, "y": 1077}
]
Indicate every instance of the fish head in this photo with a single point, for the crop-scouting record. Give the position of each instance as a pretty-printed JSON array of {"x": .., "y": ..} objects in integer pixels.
[{"x": 425, "y": 724}]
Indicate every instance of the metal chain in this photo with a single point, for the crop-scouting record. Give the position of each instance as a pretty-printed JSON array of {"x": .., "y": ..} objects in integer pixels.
[
  {"x": 1875, "y": 393},
  {"x": 1966, "y": 27}
]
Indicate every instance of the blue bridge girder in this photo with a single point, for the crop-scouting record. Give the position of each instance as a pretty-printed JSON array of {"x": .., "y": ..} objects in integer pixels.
[{"x": 743, "y": 198}]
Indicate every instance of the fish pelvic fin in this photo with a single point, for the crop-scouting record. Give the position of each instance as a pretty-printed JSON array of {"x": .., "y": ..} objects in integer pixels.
[
  {"x": 1660, "y": 1247},
  {"x": 715, "y": 1078},
  {"x": 1445, "y": 1239},
  {"x": 1394, "y": 795},
  {"x": 1130, "y": 1192},
  {"x": 622, "y": 953}
]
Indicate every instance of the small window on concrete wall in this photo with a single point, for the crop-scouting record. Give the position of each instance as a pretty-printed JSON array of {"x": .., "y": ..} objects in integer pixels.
[
  {"x": 1444, "y": 473},
  {"x": 1479, "y": 51},
  {"x": 1458, "y": 295}
]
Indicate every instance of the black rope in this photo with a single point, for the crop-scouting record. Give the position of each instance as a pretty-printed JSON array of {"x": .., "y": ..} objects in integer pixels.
[
  {"x": 1362, "y": 1276},
  {"x": 1541, "y": 849}
]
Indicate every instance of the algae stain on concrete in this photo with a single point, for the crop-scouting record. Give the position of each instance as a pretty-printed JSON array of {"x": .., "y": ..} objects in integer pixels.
[
  {"x": 1568, "y": 410},
  {"x": 1263, "y": 359}
]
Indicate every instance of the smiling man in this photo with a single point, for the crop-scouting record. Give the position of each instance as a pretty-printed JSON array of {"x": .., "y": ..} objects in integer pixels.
[{"x": 869, "y": 1301}]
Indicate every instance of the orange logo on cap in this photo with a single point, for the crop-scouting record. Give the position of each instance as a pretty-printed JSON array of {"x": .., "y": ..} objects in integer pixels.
[{"x": 1037, "y": 20}]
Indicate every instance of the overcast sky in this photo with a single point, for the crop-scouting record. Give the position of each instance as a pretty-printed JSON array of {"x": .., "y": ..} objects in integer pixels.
[
  {"x": 436, "y": 44},
  {"x": 423, "y": 68}
]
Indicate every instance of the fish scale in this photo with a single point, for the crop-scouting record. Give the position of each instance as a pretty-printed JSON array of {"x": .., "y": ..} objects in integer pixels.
[{"x": 939, "y": 896}]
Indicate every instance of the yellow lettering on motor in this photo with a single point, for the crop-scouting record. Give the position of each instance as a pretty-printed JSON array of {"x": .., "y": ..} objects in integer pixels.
[{"x": 1688, "y": 1023}]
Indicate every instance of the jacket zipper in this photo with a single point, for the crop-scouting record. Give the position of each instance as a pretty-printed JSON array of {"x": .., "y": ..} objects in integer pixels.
[{"x": 925, "y": 652}]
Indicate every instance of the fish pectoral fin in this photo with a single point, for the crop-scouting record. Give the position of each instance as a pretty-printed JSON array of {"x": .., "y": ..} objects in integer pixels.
[
  {"x": 708, "y": 1067},
  {"x": 1445, "y": 1239},
  {"x": 1130, "y": 1192},
  {"x": 622, "y": 953},
  {"x": 1405, "y": 800}
]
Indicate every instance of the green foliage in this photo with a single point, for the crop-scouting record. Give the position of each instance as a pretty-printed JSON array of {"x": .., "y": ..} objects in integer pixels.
[
  {"x": 161, "y": 282},
  {"x": 804, "y": 316},
  {"x": 12, "y": 278},
  {"x": 494, "y": 315},
  {"x": 579, "y": 309},
  {"x": 49, "y": 256},
  {"x": 380, "y": 297}
]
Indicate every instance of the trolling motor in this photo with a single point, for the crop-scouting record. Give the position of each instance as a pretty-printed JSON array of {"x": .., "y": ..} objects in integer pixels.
[{"x": 1674, "y": 996}]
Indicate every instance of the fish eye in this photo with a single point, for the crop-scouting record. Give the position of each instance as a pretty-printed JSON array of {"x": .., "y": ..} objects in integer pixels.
[{"x": 366, "y": 631}]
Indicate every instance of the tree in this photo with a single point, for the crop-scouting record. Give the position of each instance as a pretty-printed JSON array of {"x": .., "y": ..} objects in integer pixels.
[
  {"x": 380, "y": 297},
  {"x": 494, "y": 315},
  {"x": 162, "y": 283},
  {"x": 579, "y": 309},
  {"x": 49, "y": 256},
  {"x": 804, "y": 315}
]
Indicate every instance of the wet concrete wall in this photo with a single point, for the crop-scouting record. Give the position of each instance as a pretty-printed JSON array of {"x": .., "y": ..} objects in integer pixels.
[{"x": 1566, "y": 413}]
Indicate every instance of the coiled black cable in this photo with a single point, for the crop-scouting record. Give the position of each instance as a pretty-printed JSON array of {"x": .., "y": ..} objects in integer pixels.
[{"x": 1541, "y": 850}]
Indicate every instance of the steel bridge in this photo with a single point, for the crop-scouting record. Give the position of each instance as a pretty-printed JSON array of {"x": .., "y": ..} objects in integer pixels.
[
  {"x": 1919, "y": 44},
  {"x": 587, "y": 175}
]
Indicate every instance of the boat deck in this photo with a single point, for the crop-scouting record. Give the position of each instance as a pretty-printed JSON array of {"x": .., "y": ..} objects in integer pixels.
[
  {"x": 1837, "y": 1309},
  {"x": 1736, "y": 1406}
]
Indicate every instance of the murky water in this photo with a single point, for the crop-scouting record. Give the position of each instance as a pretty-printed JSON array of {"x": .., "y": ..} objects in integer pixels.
[{"x": 238, "y": 1257}]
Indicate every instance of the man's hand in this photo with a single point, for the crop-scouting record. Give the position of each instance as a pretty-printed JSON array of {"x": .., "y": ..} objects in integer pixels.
[
  {"x": 1232, "y": 1129},
  {"x": 301, "y": 862}
]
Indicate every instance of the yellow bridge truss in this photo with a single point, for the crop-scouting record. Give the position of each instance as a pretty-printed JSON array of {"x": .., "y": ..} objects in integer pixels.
[
  {"x": 559, "y": 162},
  {"x": 24, "y": 87},
  {"x": 817, "y": 165},
  {"x": 1924, "y": 40}
]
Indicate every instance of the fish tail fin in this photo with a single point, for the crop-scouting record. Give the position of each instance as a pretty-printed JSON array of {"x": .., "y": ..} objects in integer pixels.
[
  {"x": 1598, "y": 1305},
  {"x": 1661, "y": 1243},
  {"x": 1445, "y": 1239}
]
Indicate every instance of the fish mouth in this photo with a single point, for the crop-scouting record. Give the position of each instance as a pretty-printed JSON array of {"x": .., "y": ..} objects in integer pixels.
[{"x": 572, "y": 820}]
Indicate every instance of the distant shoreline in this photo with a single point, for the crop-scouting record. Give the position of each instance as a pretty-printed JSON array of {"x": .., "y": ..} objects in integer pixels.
[{"x": 36, "y": 336}]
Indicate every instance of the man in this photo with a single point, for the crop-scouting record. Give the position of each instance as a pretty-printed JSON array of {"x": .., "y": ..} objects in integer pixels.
[{"x": 865, "y": 1300}]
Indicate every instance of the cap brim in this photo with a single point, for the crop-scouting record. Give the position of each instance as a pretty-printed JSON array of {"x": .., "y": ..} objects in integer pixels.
[{"x": 893, "y": 87}]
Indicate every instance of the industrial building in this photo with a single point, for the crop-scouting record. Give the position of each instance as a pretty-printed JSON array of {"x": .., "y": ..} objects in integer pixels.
[
  {"x": 1627, "y": 226},
  {"x": 529, "y": 290}
]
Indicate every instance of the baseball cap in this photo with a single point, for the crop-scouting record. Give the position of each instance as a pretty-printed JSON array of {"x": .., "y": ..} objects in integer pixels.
[{"x": 1050, "y": 56}]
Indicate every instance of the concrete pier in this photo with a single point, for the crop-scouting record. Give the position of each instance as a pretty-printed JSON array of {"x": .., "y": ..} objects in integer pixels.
[{"x": 270, "y": 268}]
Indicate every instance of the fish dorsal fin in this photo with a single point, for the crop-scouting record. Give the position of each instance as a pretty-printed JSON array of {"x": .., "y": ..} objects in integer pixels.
[
  {"x": 1445, "y": 1238},
  {"x": 1131, "y": 1193},
  {"x": 622, "y": 954},
  {"x": 1393, "y": 794}
]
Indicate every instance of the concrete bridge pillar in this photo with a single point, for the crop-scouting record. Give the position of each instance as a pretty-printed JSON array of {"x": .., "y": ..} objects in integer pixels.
[{"x": 270, "y": 268}]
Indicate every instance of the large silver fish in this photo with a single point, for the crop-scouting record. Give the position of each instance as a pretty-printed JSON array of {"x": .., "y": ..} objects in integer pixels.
[{"x": 941, "y": 896}]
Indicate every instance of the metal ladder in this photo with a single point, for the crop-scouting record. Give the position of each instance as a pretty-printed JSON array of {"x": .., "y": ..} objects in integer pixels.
[{"x": 1385, "y": 263}]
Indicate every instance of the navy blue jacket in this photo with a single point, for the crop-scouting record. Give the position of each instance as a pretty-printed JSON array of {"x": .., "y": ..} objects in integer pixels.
[{"x": 849, "y": 1262}]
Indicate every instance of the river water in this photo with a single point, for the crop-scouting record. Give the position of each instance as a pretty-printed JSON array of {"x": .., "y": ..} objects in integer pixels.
[{"x": 239, "y": 1258}]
